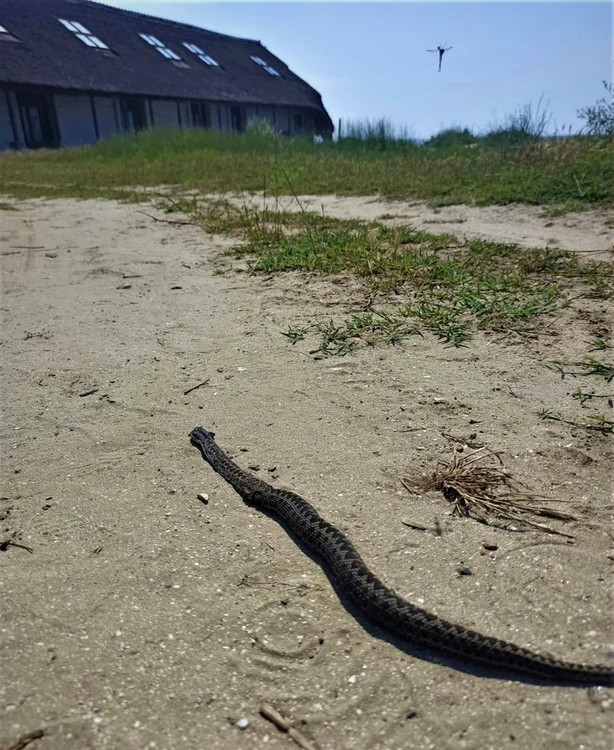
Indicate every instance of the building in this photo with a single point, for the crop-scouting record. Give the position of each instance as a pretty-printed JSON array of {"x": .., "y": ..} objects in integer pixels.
[{"x": 74, "y": 71}]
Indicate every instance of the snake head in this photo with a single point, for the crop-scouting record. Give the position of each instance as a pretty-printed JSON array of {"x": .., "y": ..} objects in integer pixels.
[{"x": 200, "y": 432}]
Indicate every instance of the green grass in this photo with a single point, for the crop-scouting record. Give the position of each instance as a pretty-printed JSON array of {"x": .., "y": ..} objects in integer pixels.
[
  {"x": 453, "y": 167},
  {"x": 588, "y": 367},
  {"x": 448, "y": 288}
]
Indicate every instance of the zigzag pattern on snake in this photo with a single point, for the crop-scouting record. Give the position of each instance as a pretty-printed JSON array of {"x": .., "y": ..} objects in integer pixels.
[{"x": 378, "y": 602}]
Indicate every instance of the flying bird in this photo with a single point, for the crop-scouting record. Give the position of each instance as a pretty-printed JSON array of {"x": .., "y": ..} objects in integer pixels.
[{"x": 441, "y": 48}]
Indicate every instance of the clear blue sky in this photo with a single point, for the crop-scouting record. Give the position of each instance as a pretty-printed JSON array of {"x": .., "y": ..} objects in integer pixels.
[{"x": 369, "y": 59}]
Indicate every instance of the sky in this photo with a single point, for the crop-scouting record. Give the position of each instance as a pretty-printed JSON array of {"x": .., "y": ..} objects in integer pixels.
[{"x": 369, "y": 59}]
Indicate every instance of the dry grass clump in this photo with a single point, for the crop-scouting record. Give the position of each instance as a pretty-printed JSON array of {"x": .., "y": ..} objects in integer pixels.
[{"x": 486, "y": 493}]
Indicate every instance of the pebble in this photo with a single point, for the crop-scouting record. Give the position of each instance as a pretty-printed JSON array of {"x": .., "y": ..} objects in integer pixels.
[
  {"x": 203, "y": 497},
  {"x": 465, "y": 571},
  {"x": 243, "y": 723},
  {"x": 488, "y": 544}
]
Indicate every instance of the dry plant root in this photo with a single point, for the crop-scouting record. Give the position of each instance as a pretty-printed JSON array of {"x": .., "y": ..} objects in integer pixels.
[{"x": 486, "y": 493}]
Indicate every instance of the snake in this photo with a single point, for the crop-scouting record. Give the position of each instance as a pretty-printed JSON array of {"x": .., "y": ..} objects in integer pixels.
[{"x": 379, "y": 603}]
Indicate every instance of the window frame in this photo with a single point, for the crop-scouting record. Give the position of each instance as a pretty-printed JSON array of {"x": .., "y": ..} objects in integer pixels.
[
  {"x": 263, "y": 64},
  {"x": 201, "y": 54},
  {"x": 84, "y": 35},
  {"x": 158, "y": 45}
]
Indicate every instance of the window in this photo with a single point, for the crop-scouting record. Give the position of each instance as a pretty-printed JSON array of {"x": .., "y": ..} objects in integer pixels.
[
  {"x": 200, "y": 115},
  {"x": 133, "y": 113},
  {"x": 162, "y": 48},
  {"x": 237, "y": 121},
  {"x": 83, "y": 34},
  {"x": 207, "y": 59},
  {"x": 38, "y": 120},
  {"x": 269, "y": 68},
  {"x": 6, "y": 36}
]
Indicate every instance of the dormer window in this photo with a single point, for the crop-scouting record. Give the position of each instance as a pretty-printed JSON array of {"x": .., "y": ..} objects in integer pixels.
[
  {"x": 160, "y": 46},
  {"x": 269, "y": 68},
  {"x": 207, "y": 59},
  {"x": 79, "y": 30}
]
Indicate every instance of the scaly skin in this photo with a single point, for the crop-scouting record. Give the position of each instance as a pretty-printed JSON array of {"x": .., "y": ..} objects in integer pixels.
[{"x": 378, "y": 602}]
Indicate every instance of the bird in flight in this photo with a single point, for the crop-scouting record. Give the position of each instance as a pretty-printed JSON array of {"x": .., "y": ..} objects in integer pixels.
[{"x": 441, "y": 48}]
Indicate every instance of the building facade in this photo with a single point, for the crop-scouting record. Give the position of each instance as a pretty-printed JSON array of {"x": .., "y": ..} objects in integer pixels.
[{"x": 75, "y": 71}]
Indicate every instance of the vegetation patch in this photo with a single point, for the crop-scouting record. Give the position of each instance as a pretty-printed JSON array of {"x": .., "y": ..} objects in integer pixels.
[
  {"x": 512, "y": 163},
  {"x": 450, "y": 288},
  {"x": 486, "y": 492},
  {"x": 587, "y": 397}
]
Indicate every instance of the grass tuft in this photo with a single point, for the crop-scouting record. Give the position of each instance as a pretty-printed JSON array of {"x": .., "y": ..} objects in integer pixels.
[{"x": 486, "y": 493}]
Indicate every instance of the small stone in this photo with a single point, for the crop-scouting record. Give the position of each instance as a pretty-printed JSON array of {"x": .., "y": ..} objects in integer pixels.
[
  {"x": 124, "y": 286},
  {"x": 488, "y": 544},
  {"x": 465, "y": 571},
  {"x": 272, "y": 469},
  {"x": 254, "y": 467},
  {"x": 176, "y": 287},
  {"x": 46, "y": 506},
  {"x": 203, "y": 497},
  {"x": 242, "y": 723},
  {"x": 439, "y": 400},
  {"x": 51, "y": 255}
]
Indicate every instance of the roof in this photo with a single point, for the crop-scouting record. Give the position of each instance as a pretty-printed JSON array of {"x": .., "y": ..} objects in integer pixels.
[{"x": 49, "y": 54}]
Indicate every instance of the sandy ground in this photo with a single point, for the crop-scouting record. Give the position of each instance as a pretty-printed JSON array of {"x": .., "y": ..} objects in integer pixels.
[{"x": 143, "y": 618}]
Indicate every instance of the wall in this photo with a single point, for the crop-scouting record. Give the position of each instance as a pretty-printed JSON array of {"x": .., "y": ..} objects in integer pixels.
[
  {"x": 75, "y": 119},
  {"x": 77, "y": 124},
  {"x": 223, "y": 119},
  {"x": 164, "y": 113},
  {"x": 185, "y": 112},
  {"x": 282, "y": 120},
  {"x": 7, "y": 137},
  {"x": 106, "y": 115}
]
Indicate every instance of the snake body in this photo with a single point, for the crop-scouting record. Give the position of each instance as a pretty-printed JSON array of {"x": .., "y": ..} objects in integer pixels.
[{"x": 376, "y": 600}]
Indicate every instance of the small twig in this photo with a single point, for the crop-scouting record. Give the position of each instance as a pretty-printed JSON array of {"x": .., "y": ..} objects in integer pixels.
[
  {"x": 463, "y": 441},
  {"x": 194, "y": 387},
  {"x": 252, "y": 270},
  {"x": 26, "y": 739},
  {"x": 281, "y": 723},
  {"x": 417, "y": 526},
  {"x": 408, "y": 486},
  {"x": 368, "y": 304},
  {"x": 170, "y": 221},
  {"x": 10, "y": 543},
  {"x": 89, "y": 393}
]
